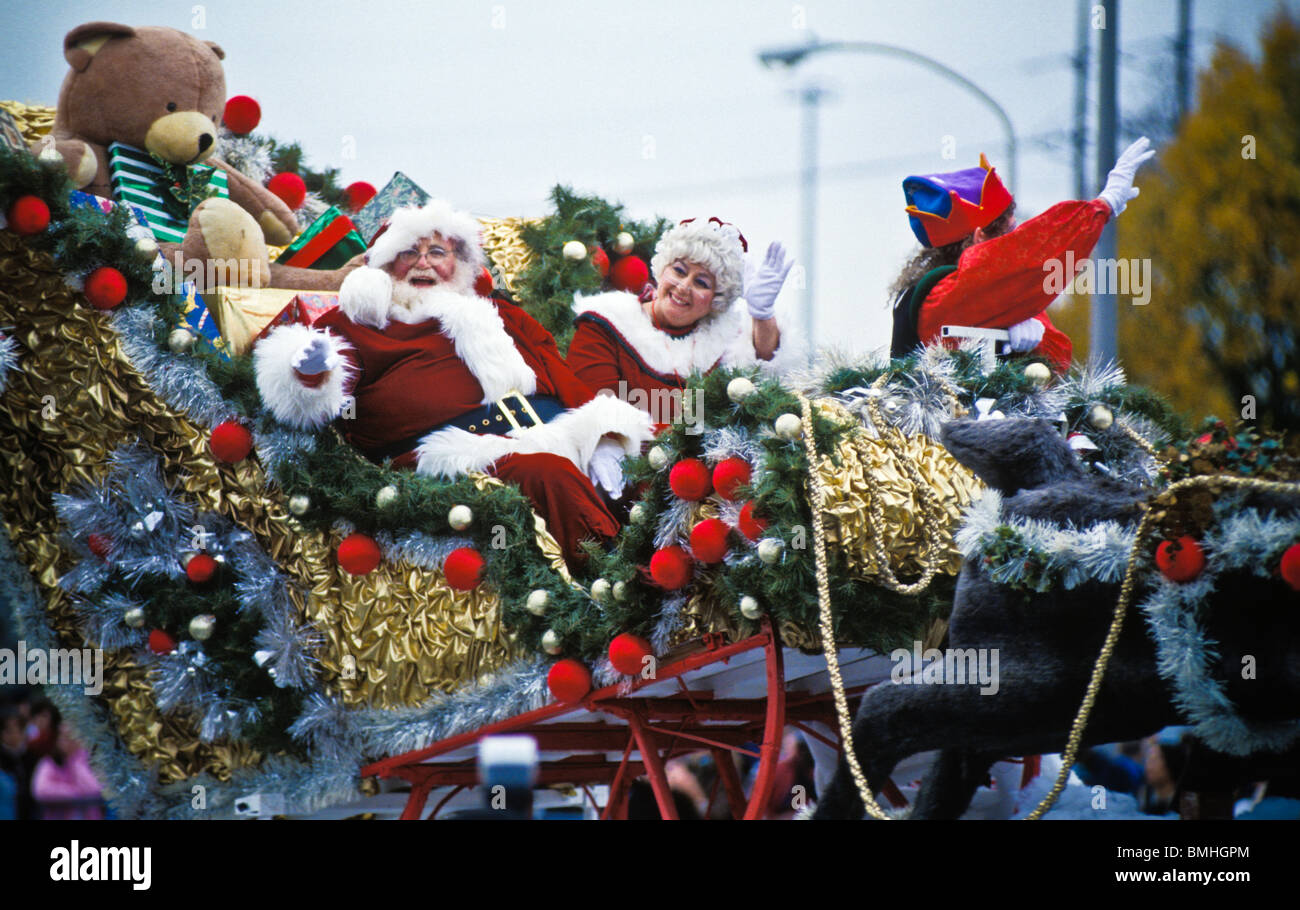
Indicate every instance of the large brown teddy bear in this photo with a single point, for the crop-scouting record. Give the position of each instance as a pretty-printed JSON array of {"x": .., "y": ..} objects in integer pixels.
[{"x": 162, "y": 90}]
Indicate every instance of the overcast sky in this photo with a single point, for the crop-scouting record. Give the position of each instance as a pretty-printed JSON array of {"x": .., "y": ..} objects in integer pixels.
[{"x": 662, "y": 106}]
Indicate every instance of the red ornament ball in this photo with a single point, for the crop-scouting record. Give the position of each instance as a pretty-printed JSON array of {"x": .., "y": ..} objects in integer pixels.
[
  {"x": 689, "y": 479},
  {"x": 729, "y": 475},
  {"x": 1180, "y": 560},
  {"x": 750, "y": 524},
  {"x": 358, "y": 554},
  {"x": 200, "y": 568},
  {"x": 357, "y": 194},
  {"x": 483, "y": 284},
  {"x": 627, "y": 652},
  {"x": 600, "y": 259},
  {"x": 242, "y": 115},
  {"x": 709, "y": 540},
  {"x": 1290, "y": 566},
  {"x": 105, "y": 288},
  {"x": 463, "y": 568},
  {"x": 161, "y": 643},
  {"x": 569, "y": 681},
  {"x": 289, "y": 187},
  {"x": 230, "y": 442},
  {"x": 100, "y": 545},
  {"x": 671, "y": 568},
  {"x": 28, "y": 215},
  {"x": 629, "y": 274}
]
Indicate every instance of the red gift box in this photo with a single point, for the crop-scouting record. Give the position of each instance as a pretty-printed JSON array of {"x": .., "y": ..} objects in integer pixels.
[{"x": 304, "y": 309}]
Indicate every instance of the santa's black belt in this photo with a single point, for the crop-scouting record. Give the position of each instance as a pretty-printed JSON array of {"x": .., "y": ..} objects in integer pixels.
[{"x": 511, "y": 411}]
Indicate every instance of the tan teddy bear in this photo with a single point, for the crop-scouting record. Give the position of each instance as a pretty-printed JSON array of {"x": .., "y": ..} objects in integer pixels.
[{"x": 163, "y": 91}]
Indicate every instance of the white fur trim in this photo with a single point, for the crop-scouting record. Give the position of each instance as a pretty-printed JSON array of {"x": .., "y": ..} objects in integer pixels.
[
  {"x": 366, "y": 296},
  {"x": 717, "y": 248},
  {"x": 289, "y": 400},
  {"x": 573, "y": 435},
  {"x": 790, "y": 353},
  {"x": 409, "y": 225},
  {"x": 696, "y": 352}
]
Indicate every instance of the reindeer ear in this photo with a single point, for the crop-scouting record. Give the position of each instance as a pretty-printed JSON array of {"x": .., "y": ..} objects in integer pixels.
[
  {"x": 82, "y": 43},
  {"x": 1012, "y": 454}
]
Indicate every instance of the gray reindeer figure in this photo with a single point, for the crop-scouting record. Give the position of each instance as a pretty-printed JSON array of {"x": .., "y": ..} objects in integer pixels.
[{"x": 1048, "y": 642}]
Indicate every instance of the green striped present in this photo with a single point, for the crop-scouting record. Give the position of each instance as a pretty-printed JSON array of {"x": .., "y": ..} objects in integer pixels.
[{"x": 141, "y": 181}]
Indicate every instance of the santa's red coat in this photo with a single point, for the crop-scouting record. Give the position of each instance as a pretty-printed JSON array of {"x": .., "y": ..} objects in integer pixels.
[{"x": 1001, "y": 281}]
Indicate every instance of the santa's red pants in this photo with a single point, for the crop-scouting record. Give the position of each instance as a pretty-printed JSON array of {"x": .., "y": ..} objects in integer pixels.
[{"x": 563, "y": 496}]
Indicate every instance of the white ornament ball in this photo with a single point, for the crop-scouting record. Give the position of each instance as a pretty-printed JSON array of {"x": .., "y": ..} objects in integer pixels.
[
  {"x": 386, "y": 496},
  {"x": 50, "y": 155},
  {"x": 769, "y": 549},
  {"x": 202, "y": 626},
  {"x": 623, "y": 243},
  {"x": 134, "y": 617},
  {"x": 620, "y": 591},
  {"x": 739, "y": 389},
  {"x": 299, "y": 504},
  {"x": 788, "y": 426},
  {"x": 551, "y": 642},
  {"x": 460, "y": 517},
  {"x": 575, "y": 250},
  {"x": 1101, "y": 417},
  {"x": 146, "y": 248},
  {"x": 537, "y": 601},
  {"x": 1038, "y": 373},
  {"x": 180, "y": 340},
  {"x": 749, "y": 608},
  {"x": 657, "y": 457},
  {"x": 601, "y": 590},
  {"x": 638, "y": 514}
]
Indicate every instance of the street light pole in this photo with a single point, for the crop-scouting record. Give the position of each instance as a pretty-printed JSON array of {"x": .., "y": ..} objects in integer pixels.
[{"x": 809, "y": 98}]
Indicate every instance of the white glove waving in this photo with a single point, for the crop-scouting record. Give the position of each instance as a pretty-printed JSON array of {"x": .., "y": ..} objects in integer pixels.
[
  {"x": 606, "y": 468},
  {"x": 1025, "y": 335},
  {"x": 1119, "y": 190},
  {"x": 764, "y": 283},
  {"x": 315, "y": 357}
]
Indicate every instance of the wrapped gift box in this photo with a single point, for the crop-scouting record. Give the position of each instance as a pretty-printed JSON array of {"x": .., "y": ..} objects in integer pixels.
[
  {"x": 140, "y": 181},
  {"x": 198, "y": 318},
  {"x": 304, "y": 309},
  {"x": 242, "y": 313},
  {"x": 398, "y": 193},
  {"x": 329, "y": 242}
]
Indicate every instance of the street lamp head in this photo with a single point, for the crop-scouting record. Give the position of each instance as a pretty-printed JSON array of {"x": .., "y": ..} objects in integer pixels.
[{"x": 788, "y": 56}]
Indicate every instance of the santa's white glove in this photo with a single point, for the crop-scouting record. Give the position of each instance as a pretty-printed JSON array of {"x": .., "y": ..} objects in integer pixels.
[
  {"x": 764, "y": 283},
  {"x": 1025, "y": 335},
  {"x": 1119, "y": 190},
  {"x": 606, "y": 467},
  {"x": 315, "y": 357}
]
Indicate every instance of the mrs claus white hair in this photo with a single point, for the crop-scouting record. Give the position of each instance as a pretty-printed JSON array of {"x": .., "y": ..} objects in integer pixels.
[{"x": 716, "y": 247}]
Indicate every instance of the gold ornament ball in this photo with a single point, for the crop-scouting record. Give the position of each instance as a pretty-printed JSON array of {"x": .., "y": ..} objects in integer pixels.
[
  {"x": 749, "y": 608},
  {"x": 769, "y": 549},
  {"x": 1038, "y": 374},
  {"x": 180, "y": 340},
  {"x": 575, "y": 250},
  {"x": 460, "y": 517},
  {"x": 1101, "y": 417},
  {"x": 601, "y": 590},
  {"x": 299, "y": 504},
  {"x": 639, "y": 514},
  {"x": 657, "y": 457},
  {"x": 620, "y": 591},
  {"x": 537, "y": 601},
  {"x": 202, "y": 626},
  {"x": 739, "y": 389},
  {"x": 386, "y": 496},
  {"x": 623, "y": 243},
  {"x": 551, "y": 642},
  {"x": 134, "y": 617},
  {"x": 788, "y": 426}
]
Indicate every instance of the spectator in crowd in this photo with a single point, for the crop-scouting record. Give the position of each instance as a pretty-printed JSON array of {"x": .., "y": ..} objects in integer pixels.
[
  {"x": 43, "y": 728},
  {"x": 15, "y": 761},
  {"x": 1166, "y": 760},
  {"x": 63, "y": 783}
]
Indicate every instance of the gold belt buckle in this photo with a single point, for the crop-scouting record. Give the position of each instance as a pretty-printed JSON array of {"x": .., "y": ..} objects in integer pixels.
[{"x": 524, "y": 405}]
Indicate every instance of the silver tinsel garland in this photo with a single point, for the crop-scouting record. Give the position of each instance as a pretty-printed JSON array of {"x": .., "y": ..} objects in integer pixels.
[{"x": 8, "y": 359}]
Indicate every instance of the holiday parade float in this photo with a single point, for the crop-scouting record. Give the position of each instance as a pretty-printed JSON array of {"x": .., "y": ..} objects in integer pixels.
[{"x": 281, "y": 616}]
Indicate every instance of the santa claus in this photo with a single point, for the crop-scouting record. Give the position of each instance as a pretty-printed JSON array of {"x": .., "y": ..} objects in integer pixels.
[{"x": 416, "y": 367}]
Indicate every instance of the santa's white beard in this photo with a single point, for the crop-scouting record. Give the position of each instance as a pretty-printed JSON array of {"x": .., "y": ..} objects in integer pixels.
[{"x": 412, "y": 303}]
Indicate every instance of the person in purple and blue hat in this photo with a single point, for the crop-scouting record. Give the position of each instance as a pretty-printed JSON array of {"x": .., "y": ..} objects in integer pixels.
[{"x": 978, "y": 268}]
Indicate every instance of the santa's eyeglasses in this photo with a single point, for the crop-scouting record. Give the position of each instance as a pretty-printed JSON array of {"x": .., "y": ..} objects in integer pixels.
[{"x": 433, "y": 253}]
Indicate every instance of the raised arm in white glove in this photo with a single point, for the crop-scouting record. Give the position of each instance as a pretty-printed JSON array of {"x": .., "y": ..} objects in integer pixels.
[
  {"x": 762, "y": 286},
  {"x": 606, "y": 467},
  {"x": 1119, "y": 190},
  {"x": 1025, "y": 335},
  {"x": 315, "y": 357}
]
